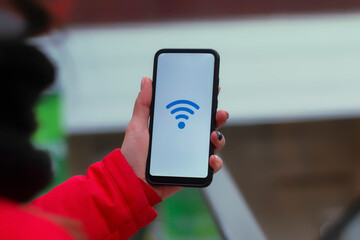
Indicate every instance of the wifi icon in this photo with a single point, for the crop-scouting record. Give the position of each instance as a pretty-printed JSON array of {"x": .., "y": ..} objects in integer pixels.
[{"x": 182, "y": 112}]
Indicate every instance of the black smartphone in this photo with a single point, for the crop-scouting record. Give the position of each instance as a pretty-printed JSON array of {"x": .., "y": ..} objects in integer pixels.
[{"x": 183, "y": 109}]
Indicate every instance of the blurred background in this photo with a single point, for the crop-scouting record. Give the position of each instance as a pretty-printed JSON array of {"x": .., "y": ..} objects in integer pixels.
[{"x": 290, "y": 80}]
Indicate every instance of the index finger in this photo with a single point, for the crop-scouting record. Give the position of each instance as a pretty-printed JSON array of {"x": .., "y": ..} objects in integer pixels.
[{"x": 221, "y": 118}]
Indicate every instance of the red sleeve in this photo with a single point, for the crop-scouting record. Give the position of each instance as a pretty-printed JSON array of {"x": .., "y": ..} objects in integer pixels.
[{"x": 110, "y": 200}]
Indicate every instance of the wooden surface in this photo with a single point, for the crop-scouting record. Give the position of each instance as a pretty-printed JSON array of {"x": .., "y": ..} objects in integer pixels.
[{"x": 295, "y": 177}]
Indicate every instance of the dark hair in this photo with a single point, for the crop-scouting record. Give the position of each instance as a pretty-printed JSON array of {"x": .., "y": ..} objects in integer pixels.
[
  {"x": 24, "y": 72},
  {"x": 36, "y": 17}
]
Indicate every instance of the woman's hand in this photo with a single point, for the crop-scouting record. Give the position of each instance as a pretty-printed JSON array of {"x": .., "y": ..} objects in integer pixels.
[{"x": 136, "y": 142}]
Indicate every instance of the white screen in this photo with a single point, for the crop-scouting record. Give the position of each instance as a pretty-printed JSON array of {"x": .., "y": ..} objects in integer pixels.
[{"x": 180, "y": 147}]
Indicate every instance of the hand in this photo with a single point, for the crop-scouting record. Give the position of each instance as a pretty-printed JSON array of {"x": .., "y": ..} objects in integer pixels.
[{"x": 136, "y": 141}]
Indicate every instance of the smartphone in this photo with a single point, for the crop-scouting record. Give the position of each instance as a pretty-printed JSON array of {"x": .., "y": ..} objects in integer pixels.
[{"x": 182, "y": 117}]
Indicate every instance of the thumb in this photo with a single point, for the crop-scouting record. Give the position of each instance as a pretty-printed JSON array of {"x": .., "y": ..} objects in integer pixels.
[{"x": 141, "y": 110}]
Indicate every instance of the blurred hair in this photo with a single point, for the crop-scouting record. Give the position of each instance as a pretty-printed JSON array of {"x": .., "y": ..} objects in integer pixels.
[
  {"x": 24, "y": 72},
  {"x": 36, "y": 17}
]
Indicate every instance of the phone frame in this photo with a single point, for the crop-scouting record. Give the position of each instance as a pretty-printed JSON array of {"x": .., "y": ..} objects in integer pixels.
[{"x": 184, "y": 181}]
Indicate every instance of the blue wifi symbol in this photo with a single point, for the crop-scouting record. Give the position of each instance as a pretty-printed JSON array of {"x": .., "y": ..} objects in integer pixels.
[{"x": 181, "y": 124}]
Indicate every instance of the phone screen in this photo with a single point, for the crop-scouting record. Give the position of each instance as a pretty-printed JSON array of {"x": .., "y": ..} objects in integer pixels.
[{"x": 182, "y": 113}]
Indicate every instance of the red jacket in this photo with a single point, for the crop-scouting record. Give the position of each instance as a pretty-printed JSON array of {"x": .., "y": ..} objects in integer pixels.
[{"x": 111, "y": 202}]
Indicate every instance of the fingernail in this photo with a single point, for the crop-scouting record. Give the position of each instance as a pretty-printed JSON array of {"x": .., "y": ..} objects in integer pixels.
[
  {"x": 219, "y": 135},
  {"x": 227, "y": 115},
  {"x": 142, "y": 83}
]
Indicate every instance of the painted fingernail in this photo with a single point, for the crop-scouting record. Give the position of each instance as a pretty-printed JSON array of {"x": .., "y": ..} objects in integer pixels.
[{"x": 219, "y": 135}]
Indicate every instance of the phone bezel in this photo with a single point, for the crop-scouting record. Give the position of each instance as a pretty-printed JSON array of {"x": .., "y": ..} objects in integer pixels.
[{"x": 184, "y": 181}]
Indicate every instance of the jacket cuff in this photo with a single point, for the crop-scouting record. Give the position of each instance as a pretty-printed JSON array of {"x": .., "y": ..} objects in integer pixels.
[
  {"x": 138, "y": 199},
  {"x": 150, "y": 193}
]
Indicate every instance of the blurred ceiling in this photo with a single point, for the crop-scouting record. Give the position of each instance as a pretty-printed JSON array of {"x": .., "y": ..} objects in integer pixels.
[{"x": 274, "y": 69}]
